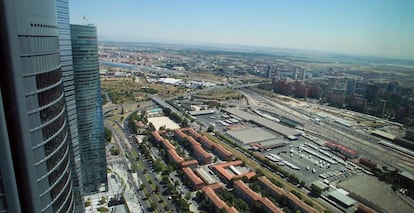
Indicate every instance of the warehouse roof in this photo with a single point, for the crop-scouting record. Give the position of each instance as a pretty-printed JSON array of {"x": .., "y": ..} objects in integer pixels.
[
  {"x": 347, "y": 201},
  {"x": 274, "y": 126}
]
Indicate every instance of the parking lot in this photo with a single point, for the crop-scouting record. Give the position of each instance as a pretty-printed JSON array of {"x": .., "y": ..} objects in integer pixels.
[
  {"x": 312, "y": 162},
  {"x": 308, "y": 160}
]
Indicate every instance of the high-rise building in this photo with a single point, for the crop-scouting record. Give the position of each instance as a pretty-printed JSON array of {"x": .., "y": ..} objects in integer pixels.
[
  {"x": 89, "y": 107},
  {"x": 65, "y": 47},
  {"x": 34, "y": 163},
  {"x": 269, "y": 72}
]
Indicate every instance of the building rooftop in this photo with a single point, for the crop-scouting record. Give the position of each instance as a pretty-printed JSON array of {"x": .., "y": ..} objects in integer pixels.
[
  {"x": 341, "y": 147},
  {"x": 344, "y": 199},
  {"x": 206, "y": 142},
  {"x": 214, "y": 198},
  {"x": 192, "y": 141},
  {"x": 383, "y": 134},
  {"x": 222, "y": 150},
  {"x": 179, "y": 133},
  {"x": 157, "y": 136},
  {"x": 202, "y": 112},
  {"x": 192, "y": 176},
  {"x": 173, "y": 154},
  {"x": 167, "y": 145},
  {"x": 221, "y": 168},
  {"x": 274, "y": 126},
  {"x": 288, "y": 195},
  {"x": 205, "y": 175},
  {"x": 270, "y": 205},
  {"x": 246, "y": 190},
  {"x": 189, "y": 163},
  {"x": 250, "y": 135}
]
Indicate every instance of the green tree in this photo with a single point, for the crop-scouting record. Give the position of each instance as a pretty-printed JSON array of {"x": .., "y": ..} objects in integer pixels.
[
  {"x": 316, "y": 190},
  {"x": 108, "y": 135},
  {"x": 184, "y": 123},
  {"x": 210, "y": 129}
]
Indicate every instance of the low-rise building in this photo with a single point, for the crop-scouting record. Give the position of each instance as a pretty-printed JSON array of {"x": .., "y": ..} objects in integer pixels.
[
  {"x": 224, "y": 173},
  {"x": 215, "y": 200},
  {"x": 250, "y": 196},
  {"x": 190, "y": 163},
  {"x": 202, "y": 156},
  {"x": 294, "y": 202},
  {"x": 174, "y": 157},
  {"x": 196, "y": 181},
  {"x": 222, "y": 152}
]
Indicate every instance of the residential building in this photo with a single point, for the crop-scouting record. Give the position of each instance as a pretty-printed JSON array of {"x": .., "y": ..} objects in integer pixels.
[
  {"x": 89, "y": 107},
  {"x": 294, "y": 202},
  {"x": 196, "y": 181}
]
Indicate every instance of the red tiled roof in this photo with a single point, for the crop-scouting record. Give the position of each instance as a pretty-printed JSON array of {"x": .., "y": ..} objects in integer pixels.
[
  {"x": 206, "y": 142},
  {"x": 341, "y": 147},
  {"x": 272, "y": 186},
  {"x": 192, "y": 141},
  {"x": 139, "y": 124},
  {"x": 216, "y": 186},
  {"x": 221, "y": 168},
  {"x": 192, "y": 176},
  {"x": 173, "y": 154},
  {"x": 202, "y": 152},
  {"x": 157, "y": 136},
  {"x": 217, "y": 202},
  {"x": 232, "y": 210},
  {"x": 179, "y": 133},
  {"x": 246, "y": 190},
  {"x": 189, "y": 163},
  {"x": 288, "y": 195},
  {"x": 231, "y": 163},
  {"x": 222, "y": 150},
  {"x": 167, "y": 145},
  {"x": 270, "y": 205}
]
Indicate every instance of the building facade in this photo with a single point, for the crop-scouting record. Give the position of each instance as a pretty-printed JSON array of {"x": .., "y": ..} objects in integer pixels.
[
  {"x": 65, "y": 47},
  {"x": 89, "y": 107},
  {"x": 35, "y": 168}
]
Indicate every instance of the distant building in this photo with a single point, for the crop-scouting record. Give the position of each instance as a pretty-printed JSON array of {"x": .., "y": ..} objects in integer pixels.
[
  {"x": 269, "y": 73},
  {"x": 381, "y": 107},
  {"x": 350, "y": 86},
  {"x": 336, "y": 99},
  {"x": 89, "y": 107},
  {"x": 357, "y": 103}
]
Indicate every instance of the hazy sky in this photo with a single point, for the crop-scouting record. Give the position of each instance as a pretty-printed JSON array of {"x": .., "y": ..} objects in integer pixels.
[{"x": 365, "y": 27}]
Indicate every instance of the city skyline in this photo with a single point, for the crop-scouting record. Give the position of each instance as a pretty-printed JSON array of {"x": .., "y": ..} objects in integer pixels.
[{"x": 372, "y": 28}]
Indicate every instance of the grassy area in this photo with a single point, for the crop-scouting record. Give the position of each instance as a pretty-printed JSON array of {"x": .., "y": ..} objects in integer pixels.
[
  {"x": 141, "y": 165},
  {"x": 253, "y": 164},
  {"x": 220, "y": 94},
  {"x": 134, "y": 154},
  {"x": 125, "y": 90}
]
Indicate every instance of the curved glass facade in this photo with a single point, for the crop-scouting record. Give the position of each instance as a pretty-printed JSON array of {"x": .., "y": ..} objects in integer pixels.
[
  {"x": 33, "y": 100},
  {"x": 65, "y": 47},
  {"x": 89, "y": 107}
]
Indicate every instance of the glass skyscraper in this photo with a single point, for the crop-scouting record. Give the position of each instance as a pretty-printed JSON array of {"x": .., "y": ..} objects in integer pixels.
[
  {"x": 34, "y": 163},
  {"x": 89, "y": 107},
  {"x": 65, "y": 47}
]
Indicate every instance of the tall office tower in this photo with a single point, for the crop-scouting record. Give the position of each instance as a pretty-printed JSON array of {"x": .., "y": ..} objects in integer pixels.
[
  {"x": 350, "y": 86},
  {"x": 269, "y": 73},
  {"x": 65, "y": 47},
  {"x": 35, "y": 170},
  {"x": 89, "y": 107}
]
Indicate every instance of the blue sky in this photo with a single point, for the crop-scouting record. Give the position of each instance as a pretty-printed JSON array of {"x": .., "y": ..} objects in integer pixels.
[{"x": 363, "y": 27}]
